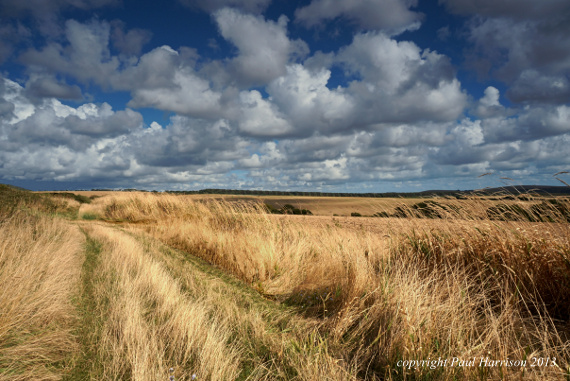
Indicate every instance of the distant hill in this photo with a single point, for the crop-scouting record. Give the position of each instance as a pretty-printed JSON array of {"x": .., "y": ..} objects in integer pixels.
[
  {"x": 7, "y": 186},
  {"x": 539, "y": 189},
  {"x": 512, "y": 190}
]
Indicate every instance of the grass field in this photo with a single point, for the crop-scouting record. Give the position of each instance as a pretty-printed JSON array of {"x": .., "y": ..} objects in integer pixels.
[{"x": 144, "y": 286}]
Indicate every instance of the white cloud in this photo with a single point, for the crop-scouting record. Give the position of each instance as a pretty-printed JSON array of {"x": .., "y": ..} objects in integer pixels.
[
  {"x": 52, "y": 124},
  {"x": 489, "y": 105},
  {"x": 186, "y": 93},
  {"x": 129, "y": 42},
  {"x": 491, "y": 97},
  {"x": 268, "y": 155},
  {"x": 163, "y": 78},
  {"x": 92, "y": 142},
  {"x": 399, "y": 82},
  {"x": 87, "y": 58},
  {"x": 259, "y": 117},
  {"x": 264, "y": 48},
  {"x": 189, "y": 144},
  {"x": 311, "y": 106},
  {"x": 530, "y": 124},
  {"x": 392, "y": 16},
  {"x": 21, "y": 107},
  {"x": 463, "y": 146},
  {"x": 47, "y": 86}
]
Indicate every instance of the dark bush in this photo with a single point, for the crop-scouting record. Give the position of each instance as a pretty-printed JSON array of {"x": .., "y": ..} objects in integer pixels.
[
  {"x": 287, "y": 209},
  {"x": 426, "y": 209},
  {"x": 77, "y": 197},
  {"x": 271, "y": 209},
  {"x": 550, "y": 210},
  {"x": 503, "y": 212}
]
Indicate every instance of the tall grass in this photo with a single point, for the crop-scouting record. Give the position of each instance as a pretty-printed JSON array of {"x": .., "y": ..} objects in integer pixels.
[
  {"x": 149, "y": 326},
  {"x": 40, "y": 262},
  {"x": 405, "y": 288},
  {"x": 161, "y": 313}
]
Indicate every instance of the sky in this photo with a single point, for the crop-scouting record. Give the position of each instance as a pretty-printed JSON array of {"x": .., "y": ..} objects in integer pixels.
[{"x": 312, "y": 95}]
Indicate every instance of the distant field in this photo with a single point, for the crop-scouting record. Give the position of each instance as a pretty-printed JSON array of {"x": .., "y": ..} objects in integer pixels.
[
  {"x": 324, "y": 206},
  {"x": 321, "y": 206}
]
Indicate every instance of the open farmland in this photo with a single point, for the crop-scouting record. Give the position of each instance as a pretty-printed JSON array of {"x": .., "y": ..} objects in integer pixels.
[
  {"x": 320, "y": 206},
  {"x": 131, "y": 285}
]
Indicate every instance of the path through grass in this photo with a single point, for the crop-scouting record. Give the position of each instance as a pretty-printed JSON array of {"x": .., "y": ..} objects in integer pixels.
[
  {"x": 86, "y": 364},
  {"x": 147, "y": 308}
]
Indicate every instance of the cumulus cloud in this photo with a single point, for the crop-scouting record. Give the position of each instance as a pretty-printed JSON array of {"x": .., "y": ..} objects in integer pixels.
[
  {"x": 49, "y": 87},
  {"x": 489, "y": 105},
  {"x": 259, "y": 117},
  {"x": 391, "y": 16},
  {"x": 464, "y": 145},
  {"x": 401, "y": 83},
  {"x": 534, "y": 86},
  {"x": 129, "y": 42},
  {"x": 523, "y": 44},
  {"x": 304, "y": 97},
  {"x": 530, "y": 124},
  {"x": 53, "y": 125},
  {"x": 267, "y": 117},
  {"x": 264, "y": 48},
  {"x": 87, "y": 58},
  {"x": 161, "y": 80},
  {"x": 51, "y": 140},
  {"x": 93, "y": 142},
  {"x": 190, "y": 143}
]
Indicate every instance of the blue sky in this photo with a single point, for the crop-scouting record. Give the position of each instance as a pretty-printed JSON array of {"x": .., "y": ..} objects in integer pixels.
[{"x": 314, "y": 95}]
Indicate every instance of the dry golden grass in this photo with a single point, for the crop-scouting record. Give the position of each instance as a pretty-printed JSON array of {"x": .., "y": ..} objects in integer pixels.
[
  {"x": 318, "y": 298},
  {"x": 161, "y": 312},
  {"x": 149, "y": 325},
  {"x": 40, "y": 263},
  {"x": 411, "y": 289}
]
